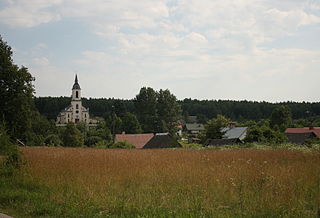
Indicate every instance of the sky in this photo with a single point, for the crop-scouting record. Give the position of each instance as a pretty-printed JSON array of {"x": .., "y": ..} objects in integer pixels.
[{"x": 262, "y": 50}]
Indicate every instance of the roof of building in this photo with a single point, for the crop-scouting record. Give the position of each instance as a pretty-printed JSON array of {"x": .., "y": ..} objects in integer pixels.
[
  {"x": 216, "y": 142},
  {"x": 315, "y": 130},
  {"x": 76, "y": 84},
  {"x": 300, "y": 138},
  {"x": 192, "y": 119},
  {"x": 162, "y": 141},
  {"x": 235, "y": 132},
  {"x": 138, "y": 140},
  {"x": 195, "y": 127}
]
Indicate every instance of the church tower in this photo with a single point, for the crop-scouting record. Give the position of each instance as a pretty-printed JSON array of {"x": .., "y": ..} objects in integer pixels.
[
  {"x": 76, "y": 90},
  {"x": 75, "y": 112},
  {"x": 76, "y": 102}
]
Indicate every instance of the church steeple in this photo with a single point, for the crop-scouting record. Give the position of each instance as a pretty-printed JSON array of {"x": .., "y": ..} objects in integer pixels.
[
  {"x": 76, "y": 90},
  {"x": 76, "y": 84}
]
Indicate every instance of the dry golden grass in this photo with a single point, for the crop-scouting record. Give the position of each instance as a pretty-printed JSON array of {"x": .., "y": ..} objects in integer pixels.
[{"x": 239, "y": 182}]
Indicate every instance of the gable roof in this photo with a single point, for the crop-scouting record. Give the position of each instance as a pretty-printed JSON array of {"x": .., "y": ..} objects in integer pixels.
[
  {"x": 234, "y": 133},
  {"x": 300, "y": 138},
  {"x": 162, "y": 140},
  {"x": 138, "y": 140},
  {"x": 315, "y": 130},
  {"x": 195, "y": 127}
]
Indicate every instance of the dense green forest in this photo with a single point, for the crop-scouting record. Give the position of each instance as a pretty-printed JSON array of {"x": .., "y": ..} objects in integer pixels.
[{"x": 205, "y": 109}]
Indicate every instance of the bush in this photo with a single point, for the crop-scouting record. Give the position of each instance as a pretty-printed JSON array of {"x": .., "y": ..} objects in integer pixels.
[
  {"x": 53, "y": 140},
  {"x": 102, "y": 144},
  {"x": 124, "y": 144},
  {"x": 12, "y": 155},
  {"x": 72, "y": 136},
  {"x": 92, "y": 140}
]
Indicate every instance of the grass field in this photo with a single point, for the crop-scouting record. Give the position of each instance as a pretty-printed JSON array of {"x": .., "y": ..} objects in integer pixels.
[{"x": 82, "y": 182}]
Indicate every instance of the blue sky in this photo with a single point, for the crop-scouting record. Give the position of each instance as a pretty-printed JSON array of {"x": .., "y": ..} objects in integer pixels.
[{"x": 222, "y": 49}]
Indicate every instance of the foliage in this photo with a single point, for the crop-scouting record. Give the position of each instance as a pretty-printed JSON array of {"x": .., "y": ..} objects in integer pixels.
[
  {"x": 281, "y": 117},
  {"x": 214, "y": 127},
  {"x": 16, "y": 92},
  {"x": 72, "y": 137},
  {"x": 122, "y": 144},
  {"x": 265, "y": 134},
  {"x": 53, "y": 140},
  {"x": 91, "y": 141},
  {"x": 157, "y": 111},
  {"x": 9, "y": 150},
  {"x": 130, "y": 124},
  {"x": 168, "y": 111},
  {"x": 239, "y": 111},
  {"x": 146, "y": 109},
  {"x": 113, "y": 123}
]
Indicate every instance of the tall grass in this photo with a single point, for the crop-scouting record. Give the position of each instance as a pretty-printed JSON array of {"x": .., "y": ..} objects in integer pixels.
[{"x": 180, "y": 183}]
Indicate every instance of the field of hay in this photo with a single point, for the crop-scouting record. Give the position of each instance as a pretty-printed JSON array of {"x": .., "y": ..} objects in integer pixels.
[{"x": 180, "y": 183}]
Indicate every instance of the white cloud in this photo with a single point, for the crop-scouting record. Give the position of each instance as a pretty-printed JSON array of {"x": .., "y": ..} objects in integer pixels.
[
  {"x": 24, "y": 13},
  {"x": 180, "y": 43},
  {"x": 43, "y": 61}
]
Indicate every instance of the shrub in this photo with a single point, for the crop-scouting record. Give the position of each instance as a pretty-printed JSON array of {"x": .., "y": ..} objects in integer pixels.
[
  {"x": 53, "y": 140},
  {"x": 92, "y": 140},
  {"x": 124, "y": 144},
  {"x": 12, "y": 155}
]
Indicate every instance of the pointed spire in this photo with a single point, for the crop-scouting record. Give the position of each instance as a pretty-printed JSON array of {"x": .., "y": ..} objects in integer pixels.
[{"x": 76, "y": 84}]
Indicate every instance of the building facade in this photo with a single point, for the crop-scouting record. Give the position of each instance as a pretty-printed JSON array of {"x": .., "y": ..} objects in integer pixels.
[{"x": 75, "y": 112}]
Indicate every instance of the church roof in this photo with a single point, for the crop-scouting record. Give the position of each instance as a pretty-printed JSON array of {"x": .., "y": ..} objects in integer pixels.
[{"x": 76, "y": 84}]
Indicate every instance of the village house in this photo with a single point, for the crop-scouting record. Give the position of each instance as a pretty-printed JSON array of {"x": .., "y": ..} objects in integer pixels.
[
  {"x": 302, "y": 135},
  {"x": 149, "y": 140},
  {"x": 231, "y": 135},
  {"x": 75, "y": 112},
  {"x": 194, "y": 128}
]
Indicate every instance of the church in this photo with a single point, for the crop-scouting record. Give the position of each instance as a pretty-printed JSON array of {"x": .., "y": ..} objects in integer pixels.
[{"x": 75, "y": 112}]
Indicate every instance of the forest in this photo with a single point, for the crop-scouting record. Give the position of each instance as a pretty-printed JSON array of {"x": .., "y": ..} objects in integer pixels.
[{"x": 239, "y": 111}]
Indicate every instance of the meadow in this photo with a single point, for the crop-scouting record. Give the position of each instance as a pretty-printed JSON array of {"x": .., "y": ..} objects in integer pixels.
[{"x": 84, "y": 182}]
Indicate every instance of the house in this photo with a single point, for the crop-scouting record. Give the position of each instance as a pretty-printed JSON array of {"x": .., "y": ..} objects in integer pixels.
[
  {"x": 162, "y": 140},
  {"x": 300, "y": 138},
  {"x": 194, "y": 128},
  {"x": 192, "y": 119},
  {"x": 149, "y": 140},
  {"x": 138, "y": 140},
  {"x": 300, "y": 135},
  {"x": 75, "y": 112},
  {"x": 235, "y": 133},
  {"x": 231, "y": 136}
]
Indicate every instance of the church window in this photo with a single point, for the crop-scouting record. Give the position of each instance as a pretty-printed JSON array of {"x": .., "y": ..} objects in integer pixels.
[
  {"x": 85, "y": 115},
  {"x": 77, "y": 112},
  {"x": 77, "y": 94},
  {"x": 77, "y": 106}
]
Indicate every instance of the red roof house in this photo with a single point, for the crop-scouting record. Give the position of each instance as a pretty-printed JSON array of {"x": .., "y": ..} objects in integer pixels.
[
  {"x": 301, "y": 135},
  {"x": 138, "y": 140},
  {"x": 315, "y": 130}
]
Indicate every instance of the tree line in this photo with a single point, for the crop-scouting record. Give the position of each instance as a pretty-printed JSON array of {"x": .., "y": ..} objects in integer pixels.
[{"x": 205, "y": 110}]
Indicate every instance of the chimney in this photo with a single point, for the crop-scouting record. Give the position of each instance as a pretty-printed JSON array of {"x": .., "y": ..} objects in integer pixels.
[
  {"x": 123, "y": 133},
  {"x": 311, "y": 127},
  {"x": 232, "y": 125}
]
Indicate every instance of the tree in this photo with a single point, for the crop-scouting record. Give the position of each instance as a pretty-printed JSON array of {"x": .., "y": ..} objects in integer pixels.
[
  {"x": 264, "y": 134},
  {"x": 146, "y": 109},
  {"x": 214, "y": 127},
  {"x": 72, "y": 137},
  {"x": 168, "y": 111},
  {"x": 130, "y": 123},
  {"x": 16, "y": 94},
  {"x": 281, "y": 117}
]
